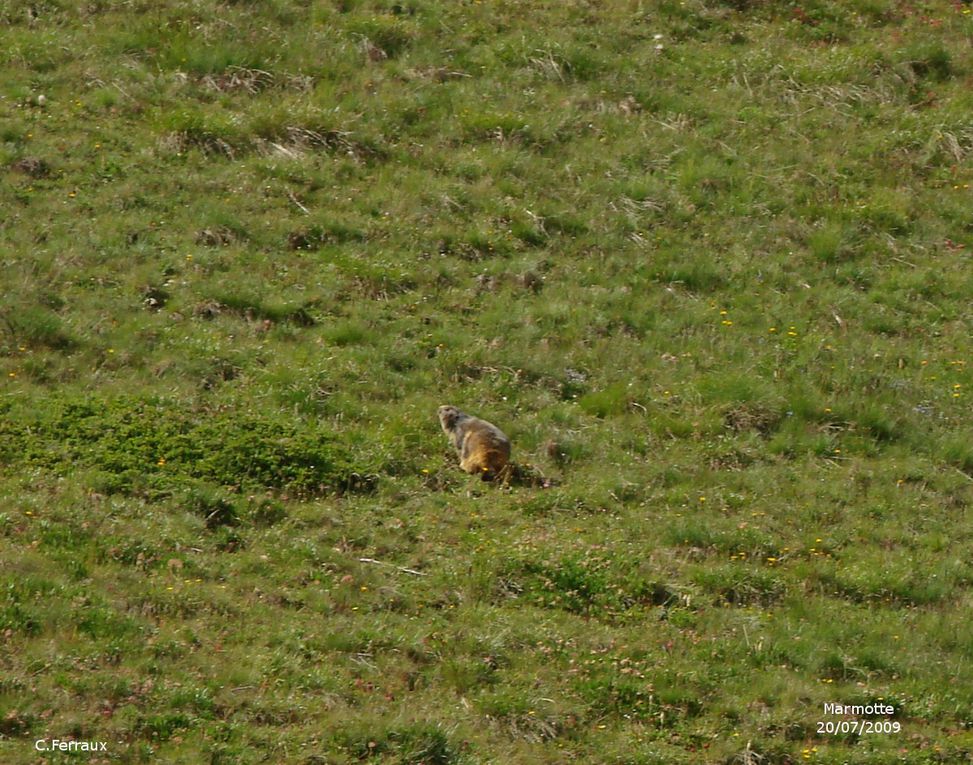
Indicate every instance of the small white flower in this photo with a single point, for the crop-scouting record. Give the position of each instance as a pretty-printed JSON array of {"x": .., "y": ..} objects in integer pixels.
[
  {"x": 656, "y": 37},
  {"x": 659, "y": 47}
]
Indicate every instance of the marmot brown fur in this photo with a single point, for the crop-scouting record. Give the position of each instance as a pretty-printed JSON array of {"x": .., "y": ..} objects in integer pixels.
[{"x": 482, "y": 447}]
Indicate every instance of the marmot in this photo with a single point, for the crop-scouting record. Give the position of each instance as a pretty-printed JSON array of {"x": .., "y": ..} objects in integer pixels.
[{"x": 482, "y": 447}]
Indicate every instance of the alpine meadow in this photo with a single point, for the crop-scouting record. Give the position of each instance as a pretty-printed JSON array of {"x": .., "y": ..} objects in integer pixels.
[{"x": 706, "y": 263}]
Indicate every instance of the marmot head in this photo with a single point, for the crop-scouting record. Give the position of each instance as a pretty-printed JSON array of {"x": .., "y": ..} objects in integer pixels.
[{"x": 448, "y": 415}]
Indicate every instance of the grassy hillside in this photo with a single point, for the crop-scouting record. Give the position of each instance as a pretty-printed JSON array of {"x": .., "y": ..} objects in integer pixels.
[{"x": 707, "y": 263}]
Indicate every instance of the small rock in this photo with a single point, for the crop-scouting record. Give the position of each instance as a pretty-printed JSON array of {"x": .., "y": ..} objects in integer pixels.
[
  {"x": 532, "y": 281},
  {"x": 32, "y": 166}
]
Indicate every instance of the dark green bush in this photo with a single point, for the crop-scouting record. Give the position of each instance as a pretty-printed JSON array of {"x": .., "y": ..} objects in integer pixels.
[{"x": 135, "y": 446}]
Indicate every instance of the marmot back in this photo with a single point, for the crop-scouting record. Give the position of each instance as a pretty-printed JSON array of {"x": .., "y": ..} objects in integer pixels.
[{"x": 481, "y": 446}]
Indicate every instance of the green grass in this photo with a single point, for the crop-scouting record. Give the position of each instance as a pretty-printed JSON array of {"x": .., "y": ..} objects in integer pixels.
[{"x": 707, "y": 263}]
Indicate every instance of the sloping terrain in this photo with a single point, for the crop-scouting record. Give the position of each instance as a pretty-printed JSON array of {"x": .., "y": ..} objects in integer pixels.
[{"x": 707, "y": 263}]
